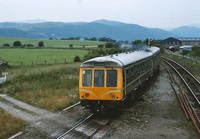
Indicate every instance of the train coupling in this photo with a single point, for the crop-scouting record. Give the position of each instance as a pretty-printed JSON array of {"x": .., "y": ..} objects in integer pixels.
[{"x": 84, "y": 103}]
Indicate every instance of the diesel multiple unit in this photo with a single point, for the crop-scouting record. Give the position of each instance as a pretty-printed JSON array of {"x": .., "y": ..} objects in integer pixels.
[{"x": 106, "y": 81}]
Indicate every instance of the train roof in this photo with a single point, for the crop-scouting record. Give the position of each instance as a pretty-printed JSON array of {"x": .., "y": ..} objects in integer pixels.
[{"x": 121, "y": 59}]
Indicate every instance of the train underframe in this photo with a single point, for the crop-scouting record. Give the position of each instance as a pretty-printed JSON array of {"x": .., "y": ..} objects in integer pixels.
[{"x": 100, "y": 106}]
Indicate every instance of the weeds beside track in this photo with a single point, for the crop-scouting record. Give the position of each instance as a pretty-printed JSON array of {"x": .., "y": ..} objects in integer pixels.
[{"x": 52, "y": 87}]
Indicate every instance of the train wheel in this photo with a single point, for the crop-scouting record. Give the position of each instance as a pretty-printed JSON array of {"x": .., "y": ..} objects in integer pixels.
[
  {"x": 93, "y": 109},
  {"x": 103, "y": 109}
]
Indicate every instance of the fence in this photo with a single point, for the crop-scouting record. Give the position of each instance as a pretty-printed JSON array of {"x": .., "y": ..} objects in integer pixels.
[
  {"x": 38, "y": 62},
  {"x": 191, "y": 58}
]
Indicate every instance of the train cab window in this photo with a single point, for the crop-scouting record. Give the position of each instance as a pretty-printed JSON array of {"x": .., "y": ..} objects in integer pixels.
[
  {"x": 87, "y": 78},
  {"x": 111, "y": 78},
  {"x": 99, "y": 78}
]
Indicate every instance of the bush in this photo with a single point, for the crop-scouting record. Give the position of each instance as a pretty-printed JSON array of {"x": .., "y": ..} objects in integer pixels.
[
  {"x": 77, "y": 59},
  {"x": 17, "y": 43},
  {"x": 6, "y": 45},
  {"x": 100, "y": 45},
  {"x": 29, "y": 45}
]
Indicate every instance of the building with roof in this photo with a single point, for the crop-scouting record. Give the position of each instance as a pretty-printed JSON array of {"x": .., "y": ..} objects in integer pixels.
[{"x": 181, "y": 41}]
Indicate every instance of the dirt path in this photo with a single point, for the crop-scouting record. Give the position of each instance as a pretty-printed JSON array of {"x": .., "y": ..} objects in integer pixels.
[{"x": 46, "y": 123}]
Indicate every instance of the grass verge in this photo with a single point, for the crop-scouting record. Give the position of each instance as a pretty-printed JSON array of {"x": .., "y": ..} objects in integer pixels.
[
  {"x": 187, "y": 63},
  {"x": 52, "y": 87},
  {"x": 9, "y": 125}
]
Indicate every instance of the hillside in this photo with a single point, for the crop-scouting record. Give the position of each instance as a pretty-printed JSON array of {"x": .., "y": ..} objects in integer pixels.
[
  {"x": 99, "y": 28},
  {"x": 187, "y": 31}
]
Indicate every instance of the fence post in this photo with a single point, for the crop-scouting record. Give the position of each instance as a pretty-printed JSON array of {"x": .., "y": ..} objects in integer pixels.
[
  {"x": 21, "y": 63},
  {"x": 32, "y": 62},
  {"x": 45, "y": 62}
]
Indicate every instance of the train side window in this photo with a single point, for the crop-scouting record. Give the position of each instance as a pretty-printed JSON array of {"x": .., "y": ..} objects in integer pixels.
[
  {"x": 111, "y": 78},
  {"x": 87, "y": 78},
  {"x": 99, "y": 78}
]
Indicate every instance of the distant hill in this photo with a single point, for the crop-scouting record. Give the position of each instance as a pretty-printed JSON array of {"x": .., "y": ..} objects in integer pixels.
[
  {"x": 99, "y": 28},
  {"x": 12, "y": 32},
  {"x": 187, "y": 31}
]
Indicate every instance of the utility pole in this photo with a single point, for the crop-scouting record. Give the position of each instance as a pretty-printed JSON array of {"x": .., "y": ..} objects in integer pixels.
[{"x": 149, "y": 41}]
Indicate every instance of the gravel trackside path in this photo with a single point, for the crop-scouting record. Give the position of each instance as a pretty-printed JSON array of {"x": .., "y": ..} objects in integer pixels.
[{"x": 157, "y": 114}]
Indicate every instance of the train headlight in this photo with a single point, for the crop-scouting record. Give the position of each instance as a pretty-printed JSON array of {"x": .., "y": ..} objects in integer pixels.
[{"x": 86, "y": 94}]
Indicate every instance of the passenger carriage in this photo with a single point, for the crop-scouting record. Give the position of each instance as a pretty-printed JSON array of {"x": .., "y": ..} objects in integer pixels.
[{"x": 106, "y": 81}]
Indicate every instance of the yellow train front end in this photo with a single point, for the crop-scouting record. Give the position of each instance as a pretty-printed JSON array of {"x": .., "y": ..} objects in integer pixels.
[{"x": 100, "y": 88}]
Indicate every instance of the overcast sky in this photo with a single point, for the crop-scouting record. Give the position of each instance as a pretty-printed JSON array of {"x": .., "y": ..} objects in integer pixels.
[{"x": 148, "y": 13}]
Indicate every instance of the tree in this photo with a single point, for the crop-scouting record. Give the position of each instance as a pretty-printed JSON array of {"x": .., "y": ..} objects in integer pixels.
[
  {"x": 104, "y": 39},
  {"x": 41, "y": 44},
  {"x": 93, "y": 39},
  {"x": 151, "y": 42},
  {"x": 77, "y": 59},
  {"x": 70, "y": 46},
  {"x": 17, "y": 43},
  {"x": 196, "y": 51},
  {"x": 117, "y": 45},
  {"x": 77, "y": 38},
  {"x": 137, "y": 42},
  {"x": 109, "y": 45},
  {"x": 126, "y": 41},
  {"x": 100, "y": 46}
]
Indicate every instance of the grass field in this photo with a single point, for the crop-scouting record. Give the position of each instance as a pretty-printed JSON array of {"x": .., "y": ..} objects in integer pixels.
[
  {"x": 50, "y": 43},
  {"x": 38, "y": 56}
]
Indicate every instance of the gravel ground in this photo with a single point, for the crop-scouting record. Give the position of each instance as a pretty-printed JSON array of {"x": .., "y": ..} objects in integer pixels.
[{"x": 155, "y": 114}]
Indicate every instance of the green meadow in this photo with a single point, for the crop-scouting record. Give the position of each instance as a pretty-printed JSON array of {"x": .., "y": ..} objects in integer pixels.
[
  {"x": 14, "y": 57},
  {"x": 50, "y": 43}
]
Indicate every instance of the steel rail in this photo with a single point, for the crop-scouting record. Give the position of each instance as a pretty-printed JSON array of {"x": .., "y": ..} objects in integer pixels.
[
  {"x": 184, "y": 80},
  {"x": 74, "y": 126},
  {"x": 71, "y": 106},
  {"x": 185, "y": 103},
  {"x": 183, "y": 68},
  {"x": 182, "y": 104}
]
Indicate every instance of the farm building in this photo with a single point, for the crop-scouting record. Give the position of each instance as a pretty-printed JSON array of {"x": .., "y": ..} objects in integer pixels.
[{"x": 181, "y": 41}]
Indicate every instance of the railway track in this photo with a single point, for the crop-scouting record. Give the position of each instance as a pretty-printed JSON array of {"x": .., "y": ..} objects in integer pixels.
[
  {"x": 86, "y": 128},
  {"x": 190, "y": 100}
]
